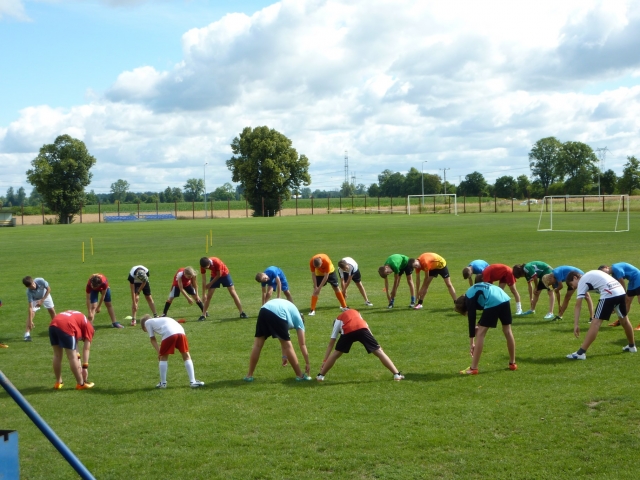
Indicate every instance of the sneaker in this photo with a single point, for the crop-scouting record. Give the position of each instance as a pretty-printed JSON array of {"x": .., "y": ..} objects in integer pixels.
[
  {"x": 390, "y": 304},
  {"x": 303, "y": 378},
  {"x": 58, "y": 385},
  {"x": 206, "y": 314},
  {"x": 615, "y": 324},
  {"x": 243, "y": 315},
  {"x": 627, "y": 348},
  {"x": 519, "y": 311},
  {"x": 398, "y": 376},
  {"x": 549, "y": 316},
  {"x": 637, "y": 328},
  {"x": 162, "y": 385},
  {"x": 27, "y": 338},
  {"x": 116, "y": 325},
  {"x": 575, "y": 356},
  {"x": 163, "y": 315},
  {"x": 344, "y": 309},
  {"x": 85, "y": 386},
  {"x": 155, "y": 315},
  {"x": 418, "y": 307},
  {"x": 412, "y": 305},
  {"x": 248, "y": 379},
  {"x": 528, "y": 312},
  {"x": 368, "y": 303},
  {"x": 558, "y": 317},
  {"x": 196, "y": 384},
  {"x": 513, "y": 366},
  {"x": 469, "y": 371},
  {"x": 320, "y": 378},
  {"x": 201, "y": 318},
  {"x": 312, "y": 313},
  {"x": 133, "y": 322},
  {"x": 4, "y": 345}
]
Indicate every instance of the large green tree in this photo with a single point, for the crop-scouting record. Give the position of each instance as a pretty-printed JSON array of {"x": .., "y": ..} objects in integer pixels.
[
  {"x": 630, "y": 179},
  {"x": 577, "y": 163},
  {"x": 194, "y": 190},
  {"x": 267, "y": 166},
  {"x": 544, "y": 159},
  {"x": 224, "y": 192},
  {"x": 524, "y": 186},
  {"x": 505, "y": 187},
  {"x": 60, "y": 173},
  {"x": 119, "y": 190},
  {"x": 473, "y": 185},
  {"x": 608, "y": 182}
]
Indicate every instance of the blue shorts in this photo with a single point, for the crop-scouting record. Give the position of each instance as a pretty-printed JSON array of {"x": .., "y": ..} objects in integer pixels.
[
  {"x": 58, "y": 338},
  {"x": 94, "y": 295},
  {"x": 225, "y": 281}
]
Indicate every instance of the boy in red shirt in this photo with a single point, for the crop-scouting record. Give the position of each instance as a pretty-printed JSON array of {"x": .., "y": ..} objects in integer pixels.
[
  {"x": 353, "y": 328},
  {"x": 323, "y": 272},
  {"x": 502, "y": 274},
  {"x": 220, "y": 276},
  {"x": 183, "y": 283},
  {"x": 65, "y": 331},
  {"x": 98, "y": 284}
]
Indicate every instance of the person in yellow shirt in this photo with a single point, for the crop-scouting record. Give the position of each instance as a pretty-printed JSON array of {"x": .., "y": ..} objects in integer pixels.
[{"x": 433, "y": 265}]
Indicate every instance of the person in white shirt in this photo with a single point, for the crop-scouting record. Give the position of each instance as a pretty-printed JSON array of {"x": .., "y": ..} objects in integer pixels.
[
  {"x": 172, "y": 337},
  {"x": 38, "y": 295},
  {"x": 349, "y": 271},
  {"x": 612, "y": 297}
]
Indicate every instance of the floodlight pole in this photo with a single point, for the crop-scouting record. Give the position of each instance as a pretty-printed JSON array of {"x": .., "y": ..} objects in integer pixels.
[
  {"x": 444, "y": 170},
  {"x": 204, "y": 182},
  {"x": 423, "y": 183}
]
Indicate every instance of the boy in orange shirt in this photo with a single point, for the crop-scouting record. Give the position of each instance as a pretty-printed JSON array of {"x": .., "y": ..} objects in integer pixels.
[
  {"x": 323, "y": 272},
  {"x": 433, "y": 265}
]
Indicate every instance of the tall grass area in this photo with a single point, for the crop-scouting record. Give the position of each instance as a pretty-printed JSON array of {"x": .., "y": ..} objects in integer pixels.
[{"x": 552, "y": 418}]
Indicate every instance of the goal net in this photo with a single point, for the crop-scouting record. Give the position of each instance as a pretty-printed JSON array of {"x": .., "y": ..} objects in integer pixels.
[
  {"x": 437, "y": 203},
  {"x": 584, "y": 213}
]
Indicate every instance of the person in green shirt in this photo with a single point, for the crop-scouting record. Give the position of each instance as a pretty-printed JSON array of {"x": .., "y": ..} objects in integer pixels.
[
  {"x": 533, "y": 273},
  {"x": 398, "y": 265}
]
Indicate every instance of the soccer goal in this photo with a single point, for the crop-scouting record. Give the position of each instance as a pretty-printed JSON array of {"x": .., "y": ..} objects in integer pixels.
[
  {"x": 437, "y": 203},
  {"x": 584, "y": 213}
]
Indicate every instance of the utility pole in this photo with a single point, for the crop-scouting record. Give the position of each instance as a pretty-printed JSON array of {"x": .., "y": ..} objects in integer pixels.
[
  {"x": 346, "y": 167},
  {"x": 424, "y": 161},
  {"x": 444, "y": 171},
  {"x": 602, "y": 153}
]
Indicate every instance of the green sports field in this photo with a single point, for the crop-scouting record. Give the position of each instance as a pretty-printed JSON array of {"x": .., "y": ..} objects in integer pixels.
[{"x": 552, "y": 418}]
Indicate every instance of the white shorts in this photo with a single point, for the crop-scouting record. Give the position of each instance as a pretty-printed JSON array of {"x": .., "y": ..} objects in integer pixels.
[{"x": 48, "y": 303}]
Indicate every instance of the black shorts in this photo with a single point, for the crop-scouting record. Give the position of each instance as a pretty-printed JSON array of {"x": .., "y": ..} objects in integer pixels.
[
  {"x": 332, "y": 280},
  {"x": 633, "y": 293},
  {"x": 271, "y": 325},
  {"x": 443, "y": 272},
  {"x": 61, "y": 339},
  {"x": 175, "y": 291},
  {"x": 408, "y": 270},
  {"x": 355, "y": 277},
  {"x": 606, "y": 306},
  {"x": 541, "y": 286},
  {"x": 490, "y": 316},
  {"x": 364, "y": 336},
  {"x": 146, "y": 290}
]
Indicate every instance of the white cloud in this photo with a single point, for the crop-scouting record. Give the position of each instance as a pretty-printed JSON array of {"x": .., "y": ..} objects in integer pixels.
[
  {"x": 12, "y": 9},
  {"x": 459, "y": 83}
]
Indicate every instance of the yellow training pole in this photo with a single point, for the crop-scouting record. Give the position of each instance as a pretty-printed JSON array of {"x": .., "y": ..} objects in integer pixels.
[
  {"x": 91, "y": 245},
  {"x": 206, "y": 244},
  {"x": 82, "y": 252},
  {"x": 211, "y": 237}
]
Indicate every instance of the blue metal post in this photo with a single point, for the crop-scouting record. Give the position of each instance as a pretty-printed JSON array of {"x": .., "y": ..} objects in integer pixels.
[{"x": 45, "y": 429}]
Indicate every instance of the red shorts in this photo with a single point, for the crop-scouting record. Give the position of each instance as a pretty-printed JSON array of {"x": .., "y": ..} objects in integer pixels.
[{"x": 169, "y": 344}]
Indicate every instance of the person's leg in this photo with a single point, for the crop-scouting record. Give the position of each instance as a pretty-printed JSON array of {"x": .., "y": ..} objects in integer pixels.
[
  {"x": 287, "y": 349},
  {"x": 207, "y": 300},
  {"x": 112, "y": 313},
  {"x": 188, "y": 365},
  {"x": 481, "y": 332},
  {"x": 514, "y": 292},
  {"x": 534, "y": 299},
  {"x": 424, "y": 288},
  {"x": 151, "y": 304},
  {"x": 236, "y": 299},
  {"x": 339, "y": 296},
  {"x": 565, "y": 302},
  {"x": 628, "y": 302},
  {"x": 362, "y": 291},
  {"x": 592, "y": 333},
  {"x": 258, "y": 343},
  {"x": 326, "y": 366},
  {"x": 134, "y": 304},
  {"x": 74, "y": 364},
  {"x": 52, "y": 312},
  {"x": 57, "y": 363},
  {"x": 30, "y": 325},
  {"x": 386, "y": 361},
  {"x": 163, "y": 366},
  {"x": 412, "y": 288},
  {"x": 287, "y": 294},
  {"x": 628, "y": 329},
  {"x": 552, "y": 300},
  {"x": 511, "y": 343},
  {"x": 452, "y": 291}
]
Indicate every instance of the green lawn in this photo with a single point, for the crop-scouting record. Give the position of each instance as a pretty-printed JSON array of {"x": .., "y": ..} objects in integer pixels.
[{"x": 552, "y": 418}]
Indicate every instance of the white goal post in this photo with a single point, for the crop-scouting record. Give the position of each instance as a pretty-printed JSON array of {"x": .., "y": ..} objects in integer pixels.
[
  {"x": 435, "y": 203},
  {"x": 584, "y": 213}
]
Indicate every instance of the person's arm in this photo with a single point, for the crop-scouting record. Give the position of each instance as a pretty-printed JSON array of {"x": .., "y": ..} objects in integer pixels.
[
  {"x": 89, "y": 309},
  {"x": 348, "y": 282},
  {"x": 313, "y": 282},
  {"x": 324, "y": 281},
  {"x": 418, "y": 280},
  {"x": 332, "y": 342},
  {"x": 590, "y": 305},
  {"x": 85, "y": 359},
  {"x": 213, "y": 280},
  {"x": 529, "y": 286},
  {"x": 396, "y": 283},
  {"x": 278, "y": 286},
  {"x": 623, "y": 283},
  {"x": 183, "y": 292},
  {"x": 204, "y": 281},
  {"x": 303, "y": 349},
  {"x": 386, "y": 289},
  {"x": 264, "y": 294},
  {"x": 154, "y": 343},
  {"x": 556, "y": 293},
  {"x": 46, "y": 294},
  {"x": 576, "y": 318},
  {"x": 102, "y": 294}
]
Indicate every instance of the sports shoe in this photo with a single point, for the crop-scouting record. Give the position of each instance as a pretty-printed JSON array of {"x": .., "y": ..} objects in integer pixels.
[
  {"x": 248, "y": 379},
  {"x": 162, "y": 385},
  {"x": 519, "y": 311},
  {"x": 638, "y": 327},
  {"x": 469, "y": 371},
  {"x": 206, "y": 314},
  {"x": 513, "y": 366},
  {"x": 58, "y": 385},
  {"x": 243, "y": 315},
  {"x": 312, "y": 313},
  {"x": 133, "y": 322},
  {"x": 412, "y": 304},
  {"x": 196, "y": 384},
  {"x": 320, "y": 378},
  {"x": 528, "y": 312},
  {"x": 418, "y": 306},
  {"x": 615, "y": 324},
  {"x": 4, "y": 345},
  {"x": 84, "y": 386},
  {"x": 116, "y": 325},
  {"x": 201, "y": 318},
  {"x": 549, "y": 316},
  {"x": 368, "y": 303},
  {"x": 303, "y": 378},
  {"x": 558, "y": 317},
  {"x": 344, "y": 309},
  {"x": 575, "y": 356},
  {"x": 627, "y": 348},
  {"x": 398, "y": 376},
  {"x": 27, "y": 338},
  {"x": 155, "y": 315}
]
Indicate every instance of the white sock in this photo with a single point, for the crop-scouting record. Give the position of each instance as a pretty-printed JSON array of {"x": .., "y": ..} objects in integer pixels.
[
  {"x": 518, "y": 306},
  {"x": 188, "y": 364},
  {"x": 27, "y": 334},
  {"x": 164, "y": 366}
]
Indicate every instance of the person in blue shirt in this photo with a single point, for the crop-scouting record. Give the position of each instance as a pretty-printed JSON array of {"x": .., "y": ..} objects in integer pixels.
[
  {"x": 474, "y": 268},
  {"x": 555, "y": 279},
  {"x": 494, "y": 304},
  {"x": 273, "y": 279},
  {"x": 625, "y": 271},
  {"x": 275, "y": 319}
]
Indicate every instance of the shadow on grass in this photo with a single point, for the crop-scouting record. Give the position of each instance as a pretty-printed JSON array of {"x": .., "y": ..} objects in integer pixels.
[
  {"x": 429, "y": 377},
  {"x": 560, "y": 358}
]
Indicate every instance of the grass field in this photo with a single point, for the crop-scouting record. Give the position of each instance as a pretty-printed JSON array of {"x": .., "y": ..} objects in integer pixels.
[{"x": 552, "y": 418}]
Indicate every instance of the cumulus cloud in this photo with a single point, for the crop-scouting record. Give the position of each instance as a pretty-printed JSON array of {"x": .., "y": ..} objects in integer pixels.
[
  {"x": 456, "y": 83},
  {"x": 12, "y": 9}
]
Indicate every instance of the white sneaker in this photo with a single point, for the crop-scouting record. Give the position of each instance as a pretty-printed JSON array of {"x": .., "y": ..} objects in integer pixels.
[
  {"x": 627, "y": 348},
  {"x": 519, "y": 311},
  {"x": 398, "y": 376},
  {"x": 196, "y": 384},
  {"x": 162, "y": 385},
  {"x": 320, "y": 378},
  {"x": 549, "y": 316},
  {"x": 312, "y": 313},
  {"x": 344, "y": 309},
  {"x": 575, "y": 356},
  {"x": 368, "y": 303}
]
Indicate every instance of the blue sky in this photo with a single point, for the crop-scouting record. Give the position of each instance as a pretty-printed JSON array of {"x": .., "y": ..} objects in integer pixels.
[{"x": 156, "y": 88}]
